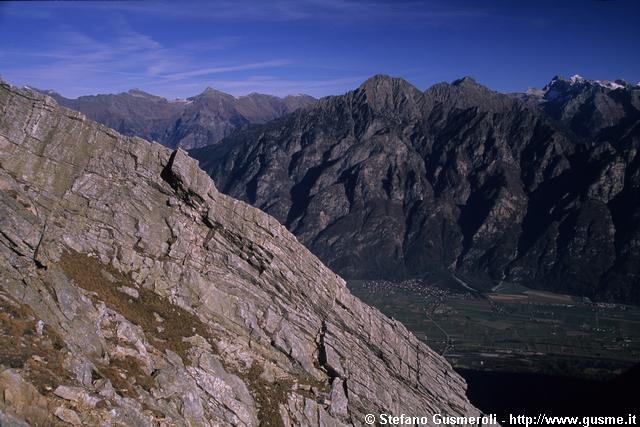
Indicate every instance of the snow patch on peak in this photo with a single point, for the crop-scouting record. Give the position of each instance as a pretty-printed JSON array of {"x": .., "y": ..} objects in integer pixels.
[
  {"x": 609, "y": 85},
  {"x": 559, "y": 86},
  {"x": 576, "y": 78}
]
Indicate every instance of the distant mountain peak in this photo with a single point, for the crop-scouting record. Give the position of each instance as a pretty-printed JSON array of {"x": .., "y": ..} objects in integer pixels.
[
  {"x": 376, "y": 78},
  {"x": 385, "y": 93},
  {"x": 380, "y": 84},
  {"x": 256, "y": 94},
  {"x": 559, "y": 86},
  {"x": 211, "y": 91},
  {"x": 139, "y": 93},
  {"x": 384, "y": 80},
  {"x": 576, "y": 78},
  {"x": 299, "y": 96},
  {"x": 465, "y": 81}
]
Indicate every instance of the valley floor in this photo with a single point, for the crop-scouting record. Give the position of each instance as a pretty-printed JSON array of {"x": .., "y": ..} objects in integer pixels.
[{"x": 512, "y": 328}]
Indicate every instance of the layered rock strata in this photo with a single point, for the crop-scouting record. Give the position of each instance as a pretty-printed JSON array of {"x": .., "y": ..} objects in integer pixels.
[{"x": 132, "y": 292}]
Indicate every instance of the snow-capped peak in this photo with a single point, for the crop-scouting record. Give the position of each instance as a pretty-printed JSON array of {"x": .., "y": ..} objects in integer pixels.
[
  {"x": 609, "y": 85},
  {"x": 559, "y": 86},
  {"x": 576, "y": 78}
]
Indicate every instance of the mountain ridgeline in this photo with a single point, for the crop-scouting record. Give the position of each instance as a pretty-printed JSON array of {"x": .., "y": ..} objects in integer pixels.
[
  {"x": 389, "y": 182},
  {"x": 195, "y": 122},
  {"x": 132, "y": 292}
]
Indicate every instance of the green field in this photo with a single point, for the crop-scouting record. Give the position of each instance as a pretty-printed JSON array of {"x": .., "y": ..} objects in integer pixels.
[{"x": 513, "y": 328}]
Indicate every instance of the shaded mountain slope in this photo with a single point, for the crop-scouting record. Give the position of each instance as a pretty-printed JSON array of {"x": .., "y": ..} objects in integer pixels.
[
  {"x": 390, "y": 182},
  {"x": 132, "y": 292}
]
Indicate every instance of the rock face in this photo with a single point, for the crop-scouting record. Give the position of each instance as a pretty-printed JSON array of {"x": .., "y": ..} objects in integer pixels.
[
  {"x": 388, "y": 182},
  {"x": 592, "y": 109},
  {"x": 132, "y": 292},
  {"x": 200, "y": 120}
]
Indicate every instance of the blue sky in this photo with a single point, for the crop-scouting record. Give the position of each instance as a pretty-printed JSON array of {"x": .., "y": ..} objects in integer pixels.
[{"x": 320, "y": 47}]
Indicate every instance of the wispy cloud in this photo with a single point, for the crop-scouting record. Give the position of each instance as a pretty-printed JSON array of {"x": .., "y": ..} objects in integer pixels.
[
  {"x": 117, "y": 56},
  {"x": 72, "y": 61},
  {"x": 132, "y": 59},
  {"x": 226, "y": 69},
  {"x": 334, "y": 11}
]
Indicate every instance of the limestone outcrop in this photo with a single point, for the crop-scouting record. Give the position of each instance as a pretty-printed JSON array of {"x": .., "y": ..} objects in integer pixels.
[{"x": 132, "y": 292}]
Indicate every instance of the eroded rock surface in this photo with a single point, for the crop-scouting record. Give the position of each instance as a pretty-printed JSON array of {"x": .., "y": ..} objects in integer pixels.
[{"x": 132, "y": 292}]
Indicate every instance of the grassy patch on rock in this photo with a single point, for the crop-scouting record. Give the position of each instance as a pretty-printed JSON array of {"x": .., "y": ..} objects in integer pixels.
[{"x": 105, "y": 281}]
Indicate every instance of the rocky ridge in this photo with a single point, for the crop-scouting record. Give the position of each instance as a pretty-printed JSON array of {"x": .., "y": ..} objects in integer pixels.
[
  {"x": 200, "y": 120},
  {"x": 389, "y": 182},
  {"x": 590, "y": 108},
  {"x": 132, "y": 292}
]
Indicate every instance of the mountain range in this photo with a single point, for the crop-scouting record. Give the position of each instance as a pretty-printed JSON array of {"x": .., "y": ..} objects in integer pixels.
[
  {"x": 133, "y": 292},
  {"x": 195, "y": 122},
  {"x": 390, "y": 182}
]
